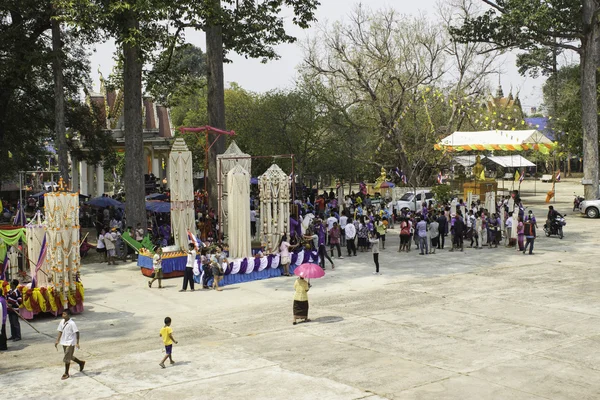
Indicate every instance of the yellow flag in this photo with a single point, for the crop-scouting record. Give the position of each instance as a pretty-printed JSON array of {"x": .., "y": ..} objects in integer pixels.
[
  {"x": 482, "y": 177},
  {"x": 517, "y": 176}
]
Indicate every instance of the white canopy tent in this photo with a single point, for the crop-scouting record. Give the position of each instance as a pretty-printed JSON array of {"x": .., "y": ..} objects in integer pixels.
[
  {"x": 512, "y": 161},
  {"x": 495, "y": 138}
]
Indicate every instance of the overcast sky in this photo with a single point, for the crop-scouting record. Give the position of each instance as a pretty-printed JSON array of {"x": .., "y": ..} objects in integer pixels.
[{"x": 254, "y": 76}]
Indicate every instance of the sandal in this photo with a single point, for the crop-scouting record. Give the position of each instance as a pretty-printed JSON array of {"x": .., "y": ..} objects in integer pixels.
[
  {"x": 294, "y": 323},
  {"x": 65, "y": 376}
]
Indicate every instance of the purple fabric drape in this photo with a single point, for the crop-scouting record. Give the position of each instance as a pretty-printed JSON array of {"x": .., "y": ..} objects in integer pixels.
[{"x": 243, "y": 266}]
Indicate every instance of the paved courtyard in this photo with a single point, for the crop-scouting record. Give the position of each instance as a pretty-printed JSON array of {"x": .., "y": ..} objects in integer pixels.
[{"x": 483, "y": 324}]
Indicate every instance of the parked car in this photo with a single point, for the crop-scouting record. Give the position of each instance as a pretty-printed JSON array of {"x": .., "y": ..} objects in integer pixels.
[
  {"x": 408, "y": 200},
  {"x": 591, "y": 208}
]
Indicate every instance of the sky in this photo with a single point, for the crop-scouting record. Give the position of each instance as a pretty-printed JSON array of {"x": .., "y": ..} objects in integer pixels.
[{"x": 252, "y": 75}]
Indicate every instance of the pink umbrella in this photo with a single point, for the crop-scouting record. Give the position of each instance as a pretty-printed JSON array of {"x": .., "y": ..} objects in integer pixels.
[{"x": 309, "y": 271}]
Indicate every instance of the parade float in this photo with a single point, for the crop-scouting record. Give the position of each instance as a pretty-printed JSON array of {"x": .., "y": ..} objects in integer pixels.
[
  {"x": 51, "y": 250},
  {"x": 174, "y": 258},
  {"x": 233, "y": 182}
]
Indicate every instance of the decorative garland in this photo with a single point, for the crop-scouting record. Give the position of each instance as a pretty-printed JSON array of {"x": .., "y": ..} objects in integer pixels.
[{"x": 44, "y": 299}]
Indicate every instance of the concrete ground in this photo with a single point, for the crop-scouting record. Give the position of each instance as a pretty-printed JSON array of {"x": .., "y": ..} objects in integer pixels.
[{"x": 483, "y": 324}]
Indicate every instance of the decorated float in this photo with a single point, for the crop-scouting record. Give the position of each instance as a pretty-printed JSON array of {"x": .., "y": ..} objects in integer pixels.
[
  {"x": 52, "y": 256},
  {"x": 233, "y": 181}
]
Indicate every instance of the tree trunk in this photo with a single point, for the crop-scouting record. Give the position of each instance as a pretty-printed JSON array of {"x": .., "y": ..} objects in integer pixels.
[
  {"x": 216, "y": 99},
  {"x": 589, "y": 100},
  {"x": 135, "y": 205},
  {"x": 59, "y": 103}
]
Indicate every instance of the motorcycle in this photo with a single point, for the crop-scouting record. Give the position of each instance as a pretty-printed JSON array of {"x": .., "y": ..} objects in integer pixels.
[
  {"x": 577, "y": 201},
  {"x": 556, "y": 227}
]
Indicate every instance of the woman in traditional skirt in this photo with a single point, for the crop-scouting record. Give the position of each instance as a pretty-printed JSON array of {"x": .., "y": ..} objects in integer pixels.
[
  {"x": 301, "y": 286},
  {"x": 521, "y": 234}
]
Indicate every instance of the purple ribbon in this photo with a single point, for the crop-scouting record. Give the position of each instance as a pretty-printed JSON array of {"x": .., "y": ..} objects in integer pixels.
[{"x": 243, "y": 266}]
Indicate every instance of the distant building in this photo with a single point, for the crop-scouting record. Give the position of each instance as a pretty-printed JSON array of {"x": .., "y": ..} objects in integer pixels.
[
  {"x": 508, "y": 107},
  {"x": 158, "y": 136}
]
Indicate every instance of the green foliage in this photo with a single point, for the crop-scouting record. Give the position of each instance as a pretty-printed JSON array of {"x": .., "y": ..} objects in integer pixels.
[
  {"x": 562, "y": 95},
  {"x": 27, "y": 86},
  {"x": 442, "y": 193}
]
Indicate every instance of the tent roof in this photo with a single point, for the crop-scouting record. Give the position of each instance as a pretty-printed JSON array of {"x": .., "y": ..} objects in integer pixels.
[
  {"x": 496, "y": 140},
  {"x": 495, "y": 137},
  {"x": 466, "y": 161},
  {"x": 512, "y": 161}
]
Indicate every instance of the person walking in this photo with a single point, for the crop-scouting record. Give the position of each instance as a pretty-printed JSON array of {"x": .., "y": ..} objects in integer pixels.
[
  {"x": 68, "y": 338},
  {"x": 381, "y": 230},
  {"x": 434, "y": 232},
  {"x": 100, "y": 246},
  {"x": 443, "y": 227},
  {"x": 334, "y": 239},
  {"x": 300, "y": 308},
  {"x": 157, "y": 267},
  {"x": 521, "y": 234},
  {"x": 166, "y": 333},
  {"x": 529, "y": 232},
  {"x": 404, "y": 234},
  {"x": 422, "y": 234},
  {"x": 284, "y": 254},
  {"x": 110, "y": 240},
  {"x": 14, "y": 301},
  {"x": 343, "y": 223},
  {"x": 188, "y": 275},
  {"x": 350, "y": 233},
  {"x": 374, "y": 240}
]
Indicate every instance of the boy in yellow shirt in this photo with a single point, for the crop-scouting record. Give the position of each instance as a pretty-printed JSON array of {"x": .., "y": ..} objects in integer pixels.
[{"x": 166, "y": 333}]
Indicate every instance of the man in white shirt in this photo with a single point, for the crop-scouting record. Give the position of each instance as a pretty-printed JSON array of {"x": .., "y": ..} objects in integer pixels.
[
  {"x": 330, "y": 222},
  {"x": 350, "y": 233},
  {"x": 188, "y": 276},
  {"x": 68, "y": 337},
  {"x": 343, "y": 222}
]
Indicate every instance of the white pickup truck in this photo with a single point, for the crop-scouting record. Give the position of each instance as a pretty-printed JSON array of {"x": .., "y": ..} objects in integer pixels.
[{"x": 408, "y": 200}]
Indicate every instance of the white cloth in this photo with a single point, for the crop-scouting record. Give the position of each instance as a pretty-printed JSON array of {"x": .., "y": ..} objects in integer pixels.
[
  {"x": 239, "y": 214},
  {"x": 69, "y": 332}
]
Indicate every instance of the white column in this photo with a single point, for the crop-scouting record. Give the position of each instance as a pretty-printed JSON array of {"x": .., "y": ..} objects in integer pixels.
[
  {"x": 90, "y": 181},
  {"x": 74, "y": 174},
  {"x": 156, "y": 167},
  {"x": 83, "y": 176},
  {"x": 99, "y": 179}
]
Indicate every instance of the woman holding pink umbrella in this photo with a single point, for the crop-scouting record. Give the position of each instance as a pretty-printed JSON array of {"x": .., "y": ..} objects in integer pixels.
[{"x": 301, "y": 286}]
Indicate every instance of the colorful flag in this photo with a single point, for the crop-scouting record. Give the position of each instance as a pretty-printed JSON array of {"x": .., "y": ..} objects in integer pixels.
[
  {"x": 397, "y": 172},
  {"x": 440, "y": 178},
  {"x": 517, "y": 176},
  {"x": 403, "y": 177},
  {"x": 522, "y": 176},
  {"x": 197, "y": 242},
  {"x": 557, "y": 176},
  {"x": 40, "y": 261}
]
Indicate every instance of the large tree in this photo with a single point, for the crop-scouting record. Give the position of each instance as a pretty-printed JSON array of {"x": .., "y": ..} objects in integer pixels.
[
  {"x": 532, "y": 25},
  {"x": 142, "y": 28},
  {"x": 28, "y": 57},
  {"x": 384, "y": 68}
]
